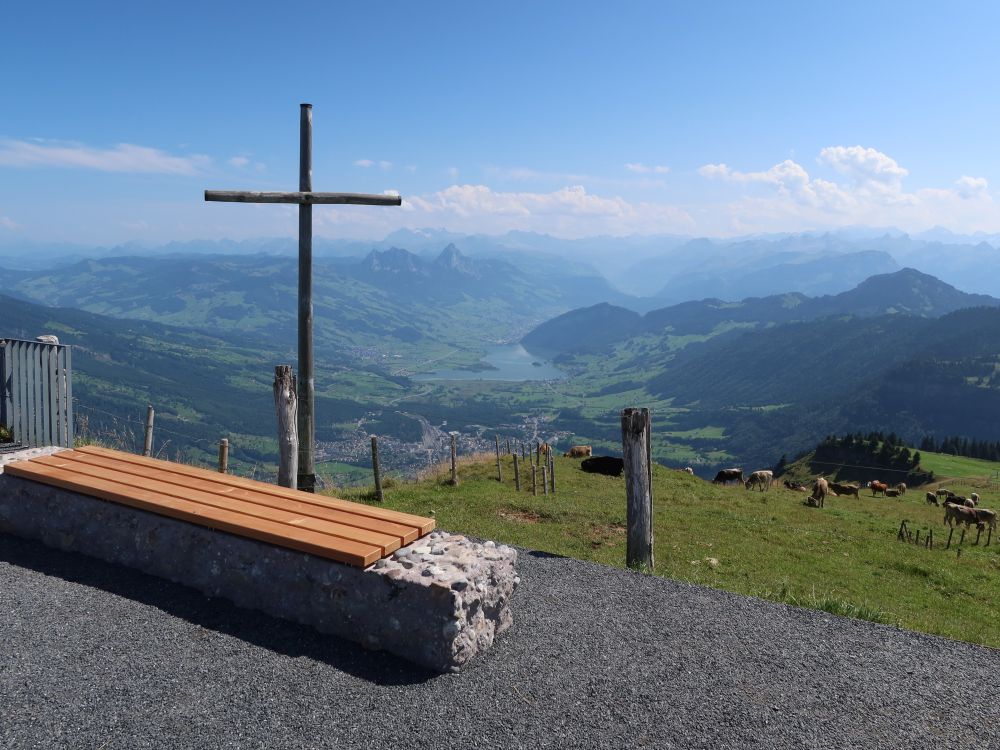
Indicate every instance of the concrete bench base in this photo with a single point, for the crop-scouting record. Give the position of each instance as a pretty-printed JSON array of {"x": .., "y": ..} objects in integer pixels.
[{"x": 437, "y": 602}]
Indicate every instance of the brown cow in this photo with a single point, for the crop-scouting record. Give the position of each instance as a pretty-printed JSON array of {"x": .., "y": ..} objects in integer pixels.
[
  {"x": 892, "y": 492},
  {"x": 761, "y": 479},
  {"x": 931, "y": 498},
  {"x": 987, "y": 517},
  {"x": 579, "y": 451},
  {"x": 845, "y": 489},
  {"x": 729, "y": 475},
  {"x": 877, "y": 487},
  {"x": 959, "y": 513},
  {"x": 821, "y": 488}
]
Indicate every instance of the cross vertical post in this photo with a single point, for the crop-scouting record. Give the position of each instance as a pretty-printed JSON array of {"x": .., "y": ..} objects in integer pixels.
[
  {"x": 307, "y": 379},
  {"x": 305, "y": 198}
]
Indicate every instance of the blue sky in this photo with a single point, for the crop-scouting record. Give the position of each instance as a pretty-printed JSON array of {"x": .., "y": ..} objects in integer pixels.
[{"x": 568, "y": 118}]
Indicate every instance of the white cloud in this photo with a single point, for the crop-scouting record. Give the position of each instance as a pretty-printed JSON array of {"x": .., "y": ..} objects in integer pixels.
[
  {"x": 124, "y": 157},
  {"x": 862, "y": 164},
  {"x": 238, "y": 161},
  {"x": 570, "y": 211},
  {"x": 972, "y": 187},
  {"x": 786, "y": 198},
  {"x": 646, "y": 169},
  {"x": 385, "y": 166}
]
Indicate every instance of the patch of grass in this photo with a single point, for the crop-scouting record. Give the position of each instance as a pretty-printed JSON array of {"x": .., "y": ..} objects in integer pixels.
[
  {"x": 944, "y": 465},
  {"x": 843, "y": 559}
]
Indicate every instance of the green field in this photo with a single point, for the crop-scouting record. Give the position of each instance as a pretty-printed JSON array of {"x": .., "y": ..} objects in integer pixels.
[
  {"x": 944, "y": 465},
  {"x": 844, "y": 558}
]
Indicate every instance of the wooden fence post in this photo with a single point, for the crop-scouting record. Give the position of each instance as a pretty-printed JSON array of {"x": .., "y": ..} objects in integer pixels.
[
  {"x": 376, "y": 470},
  {"x": 147, "y": 443},
  {"x": 508, "y": 446},
  {"x": 454, "y": 464},
  {"x": 552, "y": 472},
  {"x": 517, "y": 474},
  {"x": 224, "y": 456},
  {"x": 638, "y": 487},
  {"x": 499, "y": 472},
  {"x": 950, "y": 532},
  {"x": 534, "y": 479},
  {"x": 545, "y": 480},
  {"x": 286, "y": 408}
]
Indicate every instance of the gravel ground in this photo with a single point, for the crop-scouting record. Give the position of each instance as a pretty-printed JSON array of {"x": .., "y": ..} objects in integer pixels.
[{"x": 97, "y": 656}]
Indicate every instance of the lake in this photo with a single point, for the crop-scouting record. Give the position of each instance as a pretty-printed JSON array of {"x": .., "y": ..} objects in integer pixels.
[{"x": 512, "y": 362}]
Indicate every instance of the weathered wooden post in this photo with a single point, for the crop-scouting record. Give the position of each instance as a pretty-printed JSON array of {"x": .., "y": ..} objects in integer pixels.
[
  {"x": 552, "y": 473},
  {"x": 286, "y": 409},
  {"x": 224, "y": 456},
  {"x": 545, "y": 480},
  {"x": 377, "y": 471},
  {"x": 499, "y": 472},
  {"x": 538, "y": 453},
  {"x": 950, "y": 532},
  {"x": 454, "y": 463},
  {"x": 989, "y": 535},
  {"x": 638, "y": 487},
  {"x": 534, "y": 479},
  {"x": 918, "y": 537},
  {"x": 517, "y": 474},
  {"x": 147, "y": 443},
  {"x": 508, "y": 446}
]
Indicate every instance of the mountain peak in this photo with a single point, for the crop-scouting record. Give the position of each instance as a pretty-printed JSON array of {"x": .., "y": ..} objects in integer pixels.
[
  {"x": 451, "y": 258},
  {"x": 393, "y": 260}
]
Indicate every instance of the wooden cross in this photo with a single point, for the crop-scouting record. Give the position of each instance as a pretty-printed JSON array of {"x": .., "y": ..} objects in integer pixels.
[{"x": 305, "y": 198}]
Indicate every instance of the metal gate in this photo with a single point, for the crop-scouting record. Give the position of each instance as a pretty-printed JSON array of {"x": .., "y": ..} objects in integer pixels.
[{"x": 36, "y": 392}]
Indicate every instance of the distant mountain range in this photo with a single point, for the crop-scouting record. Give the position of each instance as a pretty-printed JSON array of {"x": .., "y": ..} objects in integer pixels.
[
  {"x": 600, "y": 327},
  {"x": 390, "y": 299},
  {"x": 901, "y": 351}
]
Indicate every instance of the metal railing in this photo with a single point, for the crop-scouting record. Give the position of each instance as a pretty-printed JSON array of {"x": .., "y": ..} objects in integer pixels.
[{"x": 36, "y": 392}]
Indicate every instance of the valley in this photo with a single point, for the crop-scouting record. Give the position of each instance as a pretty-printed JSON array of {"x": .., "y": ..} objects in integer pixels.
[{"x": 412, "y": 346}]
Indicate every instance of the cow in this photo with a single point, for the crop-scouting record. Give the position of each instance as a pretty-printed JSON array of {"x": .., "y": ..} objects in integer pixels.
[
  {"x": 543, "y": 449},
  {"x": 892, "y": 492},
  {"x": 579, "y": 451},
  {"x": 607, "y": 465},
  {"x": 761, "y": 479},
  {"x": 689, "y": 470},
  {"x": 877, "y": 487},
  {"x": 821, "y": 489},
  {"x": 942, "y": 492},
  {"x": 901, "y": 488},
  {"x": 845, "y": 489},
  {"x": 965, "y": 501},
  {"x": 987, "y": 517},
  {"x": 959, "y": 513},
  {"x": 974, "y": 497},
  {"x": 729, "y": 475},
  {"x": 931, "y": 498}
]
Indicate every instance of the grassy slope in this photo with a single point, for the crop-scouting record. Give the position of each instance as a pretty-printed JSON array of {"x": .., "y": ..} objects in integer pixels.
[
  {"x": 844, "y": 558},
  {"x": 944, "y": 465}
]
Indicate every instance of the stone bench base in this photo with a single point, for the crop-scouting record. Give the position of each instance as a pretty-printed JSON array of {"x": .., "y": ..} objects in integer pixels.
[{"x": 437, "y": 602}]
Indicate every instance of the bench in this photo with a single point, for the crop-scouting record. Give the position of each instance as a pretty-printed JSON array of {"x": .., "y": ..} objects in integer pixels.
[
  {"x": 385, "y": 579},
  {"x": 347, "y": 532}
]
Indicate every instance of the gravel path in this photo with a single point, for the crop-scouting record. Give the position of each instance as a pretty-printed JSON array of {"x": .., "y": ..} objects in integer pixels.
[{"x": 97, "y": 656}]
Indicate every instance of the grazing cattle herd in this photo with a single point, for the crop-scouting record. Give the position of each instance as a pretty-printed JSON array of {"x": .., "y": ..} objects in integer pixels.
[{"x": 957, "y": 509}]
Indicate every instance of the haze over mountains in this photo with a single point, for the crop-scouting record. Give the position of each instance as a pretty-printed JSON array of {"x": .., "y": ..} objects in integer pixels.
[{"x": 850, "y": 340}]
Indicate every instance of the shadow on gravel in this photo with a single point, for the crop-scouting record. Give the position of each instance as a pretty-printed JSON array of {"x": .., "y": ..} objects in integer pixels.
[
  {"x": 546, "y": 555},
  {"x": 271, "y": 633}
]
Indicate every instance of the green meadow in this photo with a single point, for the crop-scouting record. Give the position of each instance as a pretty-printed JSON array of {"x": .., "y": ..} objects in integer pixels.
[{"x": 844, "y": 558}]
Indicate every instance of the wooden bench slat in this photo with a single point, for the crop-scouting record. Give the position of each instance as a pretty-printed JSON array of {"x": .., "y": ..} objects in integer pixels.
[
  {"x": 272, "y": 532},
  {"x": 386, "y": 543},
  {"x": 405, "y": 533},
  {"x": 425, "y": 525}
]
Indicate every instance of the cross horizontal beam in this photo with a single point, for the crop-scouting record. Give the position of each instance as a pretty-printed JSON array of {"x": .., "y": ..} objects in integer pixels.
[{"x": 354, "y": 199}]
